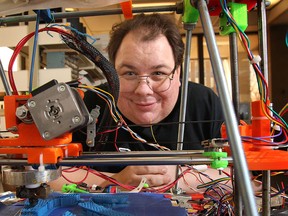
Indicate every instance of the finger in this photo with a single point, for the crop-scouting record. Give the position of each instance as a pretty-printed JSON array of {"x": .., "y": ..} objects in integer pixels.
[
  {"x": 157, "y": 180},
  {"x": 144, "y": 170}
]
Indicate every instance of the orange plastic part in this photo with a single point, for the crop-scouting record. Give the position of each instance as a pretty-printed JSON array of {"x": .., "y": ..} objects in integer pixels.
[
  {"x": 244, "y": 130},
  {"x": 28, "y": 141},
  {"x": 51, "y": 155},
  {"x": 261, "y": 125},
  {"x": 81, "y": 92},
  {"x": 127, "y": 9},
  {"x": 259, "y": 156},
  {"x": 267, "y": 159}
]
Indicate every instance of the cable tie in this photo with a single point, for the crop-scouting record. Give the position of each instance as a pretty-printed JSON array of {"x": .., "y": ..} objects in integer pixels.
[
  {"x": 201, "y": 168},
  {"x": 142, "y": 184},
  {"x": 255, "y": 60},
  {"x": 41, "y": 168},
  {"x": 277, "y": 127}
]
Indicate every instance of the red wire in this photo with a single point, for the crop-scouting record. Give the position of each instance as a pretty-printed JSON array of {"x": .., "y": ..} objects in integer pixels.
[
  {"x": 128, "y": 187},
  {"x": 172, "y": 184},
  {"x": 20, "y": 45},
  {"x": 115, "y": 139},
  {"x": 107, "y": 131},
  {"x": 79, "y": 182},
  {"x": 94, "y": 172},
  {"x": 284, "y": 112}
]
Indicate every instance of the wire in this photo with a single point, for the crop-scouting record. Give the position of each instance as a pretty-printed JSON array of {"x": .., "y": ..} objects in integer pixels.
[
  {"x": 20, "y": 45},
  {"x": 32, "y": 66},
  {"x": 69, "y": 171},
  {"x": 262, "y": 84},
  {"x": 118, "y": 119}
]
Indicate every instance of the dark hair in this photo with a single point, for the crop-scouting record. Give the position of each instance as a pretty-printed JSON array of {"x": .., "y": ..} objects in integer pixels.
[{"x": 150, "y": 27}]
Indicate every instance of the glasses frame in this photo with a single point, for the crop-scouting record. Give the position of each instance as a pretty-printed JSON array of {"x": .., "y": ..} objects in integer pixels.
[{"x": 147, "y": 81}]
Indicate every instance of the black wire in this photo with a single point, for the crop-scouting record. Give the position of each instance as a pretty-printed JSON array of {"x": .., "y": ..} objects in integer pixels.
[{"x": 170, "y": 123}]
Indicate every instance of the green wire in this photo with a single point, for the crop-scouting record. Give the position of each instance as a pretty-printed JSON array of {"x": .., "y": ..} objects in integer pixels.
[{"x": 234, "y": 24}]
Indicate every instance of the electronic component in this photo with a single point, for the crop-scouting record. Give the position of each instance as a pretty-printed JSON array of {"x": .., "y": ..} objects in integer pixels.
[{"x": 58, "y": 110}]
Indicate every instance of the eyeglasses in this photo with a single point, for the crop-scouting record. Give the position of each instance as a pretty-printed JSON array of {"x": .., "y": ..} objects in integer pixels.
[{"x": 157, "y": 81}]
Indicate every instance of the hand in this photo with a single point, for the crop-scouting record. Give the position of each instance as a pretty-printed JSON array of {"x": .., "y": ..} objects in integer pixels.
[{"x": 155, "y": 175}]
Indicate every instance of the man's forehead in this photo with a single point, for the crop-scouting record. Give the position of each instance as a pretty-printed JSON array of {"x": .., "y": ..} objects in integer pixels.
[{"x": 131, "y": 65}]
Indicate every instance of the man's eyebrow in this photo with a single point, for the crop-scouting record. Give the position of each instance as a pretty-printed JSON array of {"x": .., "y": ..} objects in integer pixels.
[
  {"x": 160, "y": 66},
  {"x": 126, "y": 66}
]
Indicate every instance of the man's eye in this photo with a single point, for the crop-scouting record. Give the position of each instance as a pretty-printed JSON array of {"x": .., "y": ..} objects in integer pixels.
[
  {"x": 158, "y": 76},
  {"x": 158, "y": 73},
  {"x": 129, "y": 73}
]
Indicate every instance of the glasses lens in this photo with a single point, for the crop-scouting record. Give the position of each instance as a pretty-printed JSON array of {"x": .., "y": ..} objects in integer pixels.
[{"x": 159, "y": 83}]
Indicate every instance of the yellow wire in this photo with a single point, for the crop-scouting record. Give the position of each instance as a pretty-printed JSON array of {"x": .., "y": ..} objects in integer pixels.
[
  {"x": 152, "y": 132},
  {"x": 282, "y": 110},
  {"x": 108, "y": 103}
]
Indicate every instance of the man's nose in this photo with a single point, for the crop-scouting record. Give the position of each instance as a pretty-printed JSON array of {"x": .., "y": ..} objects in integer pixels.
[
  {"x": 143, "y": 85},
  {"x": 143, "y": 78}
]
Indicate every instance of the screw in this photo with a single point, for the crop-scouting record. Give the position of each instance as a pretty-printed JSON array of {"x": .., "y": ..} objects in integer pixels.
[
  {"x": 46, "y": 134},
  {"x": 76, "y": 119},
  {"x": 32, "y": 103},
  {"x": 61, "y": 88},
  {"x": 20, "y": 112}
]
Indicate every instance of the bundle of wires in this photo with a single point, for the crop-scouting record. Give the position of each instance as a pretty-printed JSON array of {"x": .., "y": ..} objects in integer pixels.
[
  {"x": 117, "y": 118},
  {"x": 273, "y": 116},
  {"x": 74, "y": 40}
]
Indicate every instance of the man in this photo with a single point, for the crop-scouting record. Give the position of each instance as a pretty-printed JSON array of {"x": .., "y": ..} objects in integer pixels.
[{"x": 147, "y": 52}]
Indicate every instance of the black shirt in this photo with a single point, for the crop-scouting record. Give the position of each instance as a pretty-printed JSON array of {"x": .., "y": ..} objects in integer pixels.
[{"x": 203, "y": 121}]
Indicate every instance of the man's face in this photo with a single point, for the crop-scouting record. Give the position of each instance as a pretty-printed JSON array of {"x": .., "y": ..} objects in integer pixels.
[{"x": 137, "y": 101}]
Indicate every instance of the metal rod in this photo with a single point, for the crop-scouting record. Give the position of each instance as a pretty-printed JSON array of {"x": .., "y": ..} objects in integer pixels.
[
  {"x": 234, "y": 73},
  {"x": 236, "y": 102},
  {"x": 266, "y": 200},
  {"x": 184, "y": 88},
  {"x": 136, "y": 161},
  {"x": 4, "y": 80},
  {"x": 201, "y": 59},
  {"x": 124, "y": 159},
  {"x": 240, "y": 163},
  {"x": 27, "y": 18},
  {"x": 262, "y": 32},
  {"x": 141, "y": 154},
  {"x": 237, "y": 197},
  {"x": 184, "y": 93}
]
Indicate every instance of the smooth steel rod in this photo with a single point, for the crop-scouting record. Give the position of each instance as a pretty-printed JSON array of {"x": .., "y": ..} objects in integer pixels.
[
  {"x": 262, "y": 32},
  {"x": 263, "y": 50},
  {"x": 62, "y": 15},
  {"x": 136, "y": 161},
  {"x": 184, "y": 93},
  {"x": 235, "y": 74},
  {"x": 239, "y": 159},
  {"x": 141, "y": 154},
  {"x": 236, "y": 101},
  {"x": 4, "y": 80},
  {"x": 266, "y": 190},
  {"x": 184, "y": 87},
  {"x": 123, "y": 161}
]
